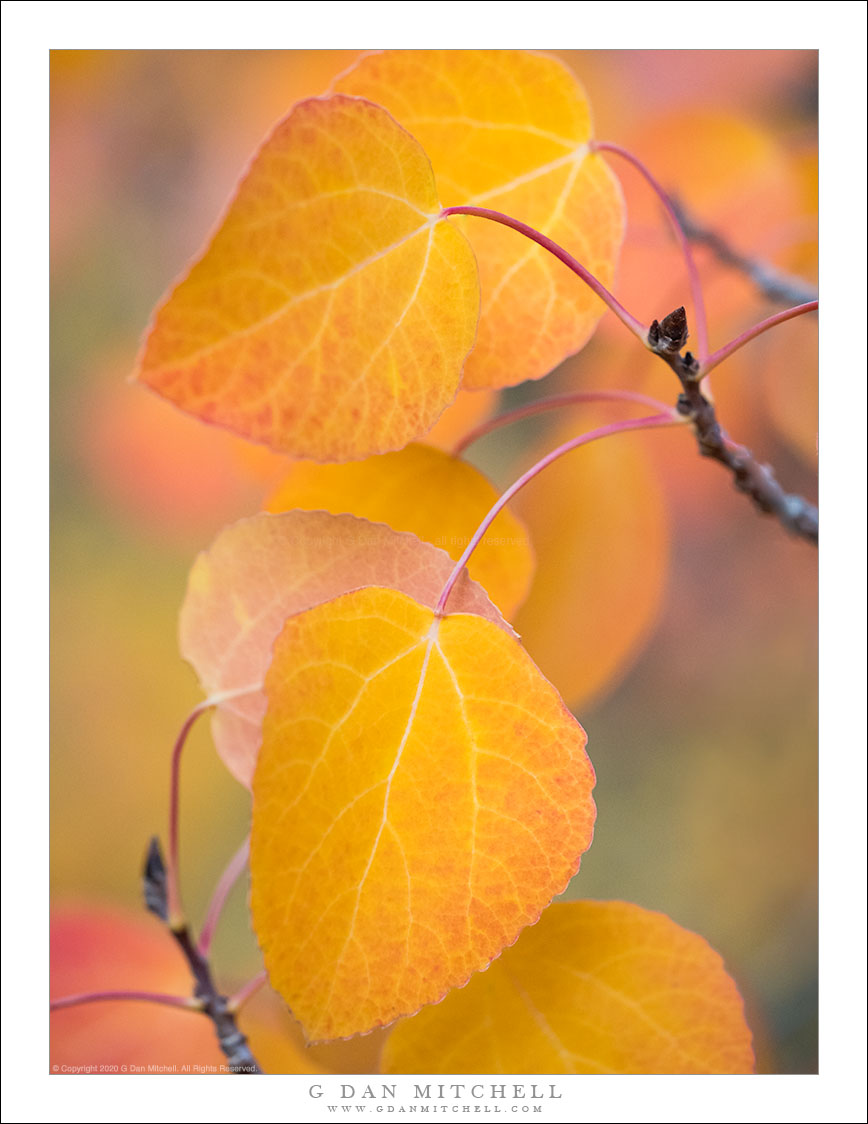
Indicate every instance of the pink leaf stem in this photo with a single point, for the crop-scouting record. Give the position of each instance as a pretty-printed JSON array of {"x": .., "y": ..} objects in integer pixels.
[
  {"x": 653, "y": 422},
  {"x": 173, "y": 894},
  {"x": 234, "y": 869},
  {"x": 561, "y": 254},
  {"x": 555, "y": 402},
  {"x": 135, "y": 996},
  {"x": 237, "y": 1001},
  {"x": 692, "y": 272},
  {"x": 728, "y": 349}
]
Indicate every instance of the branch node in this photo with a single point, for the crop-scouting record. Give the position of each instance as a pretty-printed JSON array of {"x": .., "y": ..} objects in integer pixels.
[{"x": 666, "y": 338}]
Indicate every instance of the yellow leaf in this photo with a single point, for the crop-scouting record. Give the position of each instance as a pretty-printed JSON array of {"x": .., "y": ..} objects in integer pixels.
[
  {"x": 595, "y": 987},
  {"x": 440, "y": 498},
  {"x": 332, "y": 312},
  {"x": 421, "y": 795},
  {"x": 509, "y": 130},
  {"x": 261, "y": 570}
]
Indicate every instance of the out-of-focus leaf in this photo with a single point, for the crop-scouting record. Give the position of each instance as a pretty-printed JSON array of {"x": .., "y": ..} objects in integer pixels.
[
  {"x": 421, "y": 794},
  {"x": 595, "y": 987},
  {"x": 97, "y": 949},
  {"x": 161, "y": 470},
  {"x": 600, "y": 530}
]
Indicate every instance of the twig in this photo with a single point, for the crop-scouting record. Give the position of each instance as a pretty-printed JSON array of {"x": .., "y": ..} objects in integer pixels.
[
  {"x": 666, "y": 339},
  {"x": 232, "y": 1041},
  {"x": 772, "y": 283},
  {"x": 211, "y": 1002}
]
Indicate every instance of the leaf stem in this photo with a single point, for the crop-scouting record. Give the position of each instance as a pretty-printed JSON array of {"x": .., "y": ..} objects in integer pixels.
[
  {"x": 234, "y": 870},
  {"x": 176, "y": 912},
  {"x": 555, "y": 402},
  {"x": 136, "y": 996},
  {"x": 173, "y": 893},
  {"x": 680, "y": 234},
  {"x": 728, "y": 349},
  {"x": 653, "y": 422},
  {"x": 237, "y": 1001},
  {"x": 562, "y": 255}
]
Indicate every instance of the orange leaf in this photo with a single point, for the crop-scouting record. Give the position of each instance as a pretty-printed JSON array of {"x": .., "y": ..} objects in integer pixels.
[
  {"x": 596, "y": 987},
  {"x": 599, "y": 525},
  {"x": 421, "y": 795},
  {"x": 332, "y": 312},
  {"x": 261, "y": 570},
  {"x": 440, "y": 498},
  {"x": 509, "y": 130}
]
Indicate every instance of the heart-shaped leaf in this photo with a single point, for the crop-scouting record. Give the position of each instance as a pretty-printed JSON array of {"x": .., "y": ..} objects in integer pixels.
[
  {"x": 332, "y": 312},
  {"x": 509, "y": 130},
  {"x": 421, "y": 795},
  {"x": 595, "y": 987},
  {"x": 263, "y": 569}
]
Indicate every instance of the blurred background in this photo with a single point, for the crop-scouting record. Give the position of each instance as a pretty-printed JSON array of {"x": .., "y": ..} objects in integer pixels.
[{"x": 690, "y": 652}]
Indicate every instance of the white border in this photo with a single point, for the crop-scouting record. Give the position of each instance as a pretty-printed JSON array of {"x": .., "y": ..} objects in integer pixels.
[{"x": 30, "y": 29}]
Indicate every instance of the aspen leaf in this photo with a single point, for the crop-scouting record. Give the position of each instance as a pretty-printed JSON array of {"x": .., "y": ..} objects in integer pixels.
[
  {"x": 438, "y": 497},
  {"x": 332, "y": 312},
  {"x": 263, "y": 569},
  {"x": 509, "y": 130},
  {"x": 595, "y": 987},
  {"x": 421, "y": 795}
]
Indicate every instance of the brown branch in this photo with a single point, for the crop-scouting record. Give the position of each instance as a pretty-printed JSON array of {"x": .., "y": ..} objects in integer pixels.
[
  {"x": 232, "y": 1041},
  {"x": 772, "y": 283},
  {"x": 216, "y": 1006},
  {"x": 666, "y": 339}
]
